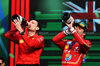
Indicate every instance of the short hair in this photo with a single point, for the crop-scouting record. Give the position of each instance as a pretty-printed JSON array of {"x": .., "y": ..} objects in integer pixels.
[{"x": 1, "y": 58}]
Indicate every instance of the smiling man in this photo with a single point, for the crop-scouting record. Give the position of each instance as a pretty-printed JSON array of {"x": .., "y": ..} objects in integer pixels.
[
  {"x": 30, "y": 43},
  {"x": 76, "y": 49}
]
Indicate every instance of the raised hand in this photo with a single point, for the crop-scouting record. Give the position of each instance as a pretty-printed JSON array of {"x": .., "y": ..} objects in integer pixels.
[
  {"x": 71, "y": 24},
  {"x": 17, "y": 24}
]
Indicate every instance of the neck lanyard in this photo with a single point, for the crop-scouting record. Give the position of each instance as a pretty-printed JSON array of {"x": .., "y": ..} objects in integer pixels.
[{"x": 70, "y": 46}]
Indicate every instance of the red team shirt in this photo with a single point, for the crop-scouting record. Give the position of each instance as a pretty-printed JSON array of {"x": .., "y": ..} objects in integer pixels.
[
  {"x": 80, "y": 47},
  {"x": 30, "y": 48}
]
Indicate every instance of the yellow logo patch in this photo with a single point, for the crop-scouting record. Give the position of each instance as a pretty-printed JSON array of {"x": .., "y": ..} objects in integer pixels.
[
  {"x": 21, "y": 41},
  {"x": 66, "y": 47},
  {"x": 32, "y": 38},
  {"x": 82, "y": 25}
]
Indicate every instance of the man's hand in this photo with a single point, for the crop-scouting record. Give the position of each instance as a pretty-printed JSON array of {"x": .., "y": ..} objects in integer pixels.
[
  {"x": 72, "y": 21},
  {"x": 17, "y": 24}
]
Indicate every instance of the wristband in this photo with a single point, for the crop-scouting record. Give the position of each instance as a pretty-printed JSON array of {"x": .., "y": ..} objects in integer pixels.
[
  {"x": 22, "y": 33},
  {"x": 66, "y": 32},
  {"x": 72, "y": 30}
]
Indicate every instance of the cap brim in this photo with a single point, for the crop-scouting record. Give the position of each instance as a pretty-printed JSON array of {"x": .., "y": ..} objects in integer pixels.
[{"x": 76, "y": 24}]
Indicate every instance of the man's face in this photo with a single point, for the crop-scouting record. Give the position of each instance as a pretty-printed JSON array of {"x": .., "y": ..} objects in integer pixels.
[
  {"x": 79, "y": 30},
  {"x": 2, "y": 63},
  {"x": 32, "y": 25}
]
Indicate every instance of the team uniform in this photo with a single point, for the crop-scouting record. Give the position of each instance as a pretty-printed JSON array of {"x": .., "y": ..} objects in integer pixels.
[
  {"x": 30, "y": 48},
  {"x": 73, "y": 50}
]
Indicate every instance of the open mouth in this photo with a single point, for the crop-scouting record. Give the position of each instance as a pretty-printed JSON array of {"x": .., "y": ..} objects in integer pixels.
[{"x": 29, "y": 25}]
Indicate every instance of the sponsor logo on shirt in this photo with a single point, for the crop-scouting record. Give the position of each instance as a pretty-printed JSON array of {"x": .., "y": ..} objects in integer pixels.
[
  {"x": 32, "y": 38},
  {"x": 76, "y": 49},
  {"x": 40, "y": 40},
  {"x": 21, "y": 41},
  {"x": 69, "y": 42}
]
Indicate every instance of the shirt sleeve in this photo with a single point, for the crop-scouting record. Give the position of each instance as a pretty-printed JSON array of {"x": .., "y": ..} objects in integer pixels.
[
  {"x": 37, "y": 42},
  {"x": 85, "y": 47},
  {"x": 85, "y": 44},
  {"x": 58, "y": 39},
  {"x": 13, "y": 35}
]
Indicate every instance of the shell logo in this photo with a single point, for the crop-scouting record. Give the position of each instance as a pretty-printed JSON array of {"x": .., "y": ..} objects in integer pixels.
[
  {"x": 32, "y": 38},
  {"x": 66, "y": 47},
  {"x": 21, "y": 41}
]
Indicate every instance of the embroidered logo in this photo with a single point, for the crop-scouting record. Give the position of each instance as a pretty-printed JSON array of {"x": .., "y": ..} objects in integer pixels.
[
  {"x": 65, "y": 51},
  {"x": 32, "y": 38},
  {"x": 40, "y": 39},
  {"x": 21, "y": 41},
  {"x": 69, "y": 42},
  {"x": 76, "y": 49},
  {"x": 66, "y": 47}
]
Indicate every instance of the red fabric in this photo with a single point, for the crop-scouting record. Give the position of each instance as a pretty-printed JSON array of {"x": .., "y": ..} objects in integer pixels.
[
  {"x": 78, "y": 50},
  {"x": 30, "y": 48}
]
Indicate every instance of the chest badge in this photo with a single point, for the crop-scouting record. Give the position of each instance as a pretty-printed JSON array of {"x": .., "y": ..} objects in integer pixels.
[
  {"x": 69, "y": 42},
  {"x": 21, "y": 41},
  {"x": 66, "y": 47},
  {"x": 76, "y": 49},
  {"x": 75, "y": 55},
  {"x": 68, "y": 56},
  {"x": 32, "y": 38}
]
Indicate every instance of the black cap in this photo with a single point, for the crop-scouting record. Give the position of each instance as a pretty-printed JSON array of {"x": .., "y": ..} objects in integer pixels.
[{"x": 82, "y": 25}]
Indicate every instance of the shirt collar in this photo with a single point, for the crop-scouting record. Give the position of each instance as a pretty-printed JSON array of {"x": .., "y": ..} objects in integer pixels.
[
  {"x": 73, "y": 39},
  {"x": 35, "y": 35}
]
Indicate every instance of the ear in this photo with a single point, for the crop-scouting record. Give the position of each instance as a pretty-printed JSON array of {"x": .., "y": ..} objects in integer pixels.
[
  {"x": 37, "y": 28},
  {"x": 84, "y": 34}
]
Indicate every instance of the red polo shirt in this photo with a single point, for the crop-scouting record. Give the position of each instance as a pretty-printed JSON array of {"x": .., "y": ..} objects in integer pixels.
[
  {"x": 80, "y": 47},
  {"x": 30, "y": 48}
]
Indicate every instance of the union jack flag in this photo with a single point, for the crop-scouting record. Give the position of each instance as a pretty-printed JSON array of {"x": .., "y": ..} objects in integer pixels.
[{"x": 90, "y": 14}]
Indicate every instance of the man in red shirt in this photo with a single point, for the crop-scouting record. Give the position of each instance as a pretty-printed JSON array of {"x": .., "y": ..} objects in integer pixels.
[
  {"x": 76, "y": 49},
  {"x": 30, "y": 43}
]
